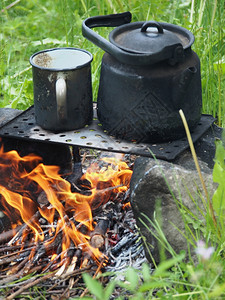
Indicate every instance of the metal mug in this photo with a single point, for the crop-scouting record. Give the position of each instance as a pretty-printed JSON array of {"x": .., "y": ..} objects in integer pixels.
[{"x": 62, "y": 88}]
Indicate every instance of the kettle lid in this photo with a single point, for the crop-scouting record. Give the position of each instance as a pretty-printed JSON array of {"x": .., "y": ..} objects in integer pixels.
[
  {"x": 139, "y": 43},
  {"x": 150, "y": 37}
]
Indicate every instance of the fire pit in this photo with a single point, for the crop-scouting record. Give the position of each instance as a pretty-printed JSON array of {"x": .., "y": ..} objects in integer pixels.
[{"x": 61, "y": 228}]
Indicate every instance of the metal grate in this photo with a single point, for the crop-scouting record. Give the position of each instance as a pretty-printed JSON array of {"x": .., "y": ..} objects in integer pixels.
[{"x": 93, "y": 136}]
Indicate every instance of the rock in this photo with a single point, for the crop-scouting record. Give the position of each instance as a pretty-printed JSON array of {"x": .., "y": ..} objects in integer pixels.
[{"x": 158, "y": 190}]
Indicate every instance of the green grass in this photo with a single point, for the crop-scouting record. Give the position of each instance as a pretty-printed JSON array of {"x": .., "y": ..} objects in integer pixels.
[{"x": 33, "y": 25}]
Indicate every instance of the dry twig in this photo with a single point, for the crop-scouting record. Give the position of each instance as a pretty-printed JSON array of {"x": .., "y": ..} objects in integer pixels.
[
  {"x": 10, "y": 5},
  {"x": 29, "y": 285}
]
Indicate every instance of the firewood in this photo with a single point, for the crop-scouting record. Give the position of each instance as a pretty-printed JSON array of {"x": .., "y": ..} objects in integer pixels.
[
  {"x": 10, "y": 278},
  {"x": 8, "y": 260},
  {"x": 18, "y": 254},
  {"x": 5, "y": 236},
  {"x": 8, "y": 249},
  {"x": 125, "y": 241},
  {"x": 23, "y": 227},
  {"x": 98, "y": 235},
  {"x": 78, "y": 271},
  {"x": 17, "y": 267},
  {"x": 29, "y": 285},
  {"x": 97, "y": 241},
  {"x": 61, "y": 270},
  {"x": 71, "y": 269},
  {"x": 85, "y": 260},
  {"x": 42, "y": 199},
  {"x": 103, "y": 194}
]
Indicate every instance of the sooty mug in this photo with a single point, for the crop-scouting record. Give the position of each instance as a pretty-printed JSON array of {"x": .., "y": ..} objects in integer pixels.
[{"x": 62, "y": 88}]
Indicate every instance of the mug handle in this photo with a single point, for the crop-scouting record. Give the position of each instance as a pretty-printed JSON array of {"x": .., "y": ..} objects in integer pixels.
[{"x": 60, "y": 89}]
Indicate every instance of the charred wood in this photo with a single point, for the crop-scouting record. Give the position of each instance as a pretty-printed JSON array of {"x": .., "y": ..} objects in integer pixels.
[
  {"x": 98, "y": 235},
  {"x": 125, "y": 241}
]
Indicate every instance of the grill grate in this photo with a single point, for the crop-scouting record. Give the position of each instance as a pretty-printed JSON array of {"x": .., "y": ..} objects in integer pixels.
[{"x": 93, "y": 136}]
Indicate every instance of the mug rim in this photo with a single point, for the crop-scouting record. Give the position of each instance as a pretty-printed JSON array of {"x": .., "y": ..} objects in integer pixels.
[{"x": 59, "y": 69}]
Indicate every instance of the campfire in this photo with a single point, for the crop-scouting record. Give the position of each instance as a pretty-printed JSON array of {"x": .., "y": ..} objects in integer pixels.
[{"x": 55, "y": 229}]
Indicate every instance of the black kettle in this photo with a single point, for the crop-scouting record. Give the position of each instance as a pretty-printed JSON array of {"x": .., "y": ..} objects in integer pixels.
[{"x": 148, "y": 74}]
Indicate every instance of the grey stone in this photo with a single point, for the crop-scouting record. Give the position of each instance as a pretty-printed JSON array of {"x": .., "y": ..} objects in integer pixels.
[{"x": 158, "y": 189}]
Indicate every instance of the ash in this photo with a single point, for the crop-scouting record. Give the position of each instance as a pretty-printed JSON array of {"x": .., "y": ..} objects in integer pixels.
[{"x": 128, "y": 250}]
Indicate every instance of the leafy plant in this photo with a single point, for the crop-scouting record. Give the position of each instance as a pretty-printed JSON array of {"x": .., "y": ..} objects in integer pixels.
[
  {"x": 97, "y": 289},
  {"x": 218, "y": 176},
  {"x": 137, "y": 284}
]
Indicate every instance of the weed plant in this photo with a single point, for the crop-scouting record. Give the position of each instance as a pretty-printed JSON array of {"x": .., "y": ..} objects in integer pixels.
[{"x": 33, "y": 25}]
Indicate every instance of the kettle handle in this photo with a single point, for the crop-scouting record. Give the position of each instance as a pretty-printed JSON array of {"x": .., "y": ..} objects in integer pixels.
[
  {"x": 112, "y": 20},
  {"x": 123, "y": 56}
]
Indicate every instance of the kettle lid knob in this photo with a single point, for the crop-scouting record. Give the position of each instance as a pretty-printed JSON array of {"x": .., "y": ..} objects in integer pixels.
[{"x": 147, "y": 24}]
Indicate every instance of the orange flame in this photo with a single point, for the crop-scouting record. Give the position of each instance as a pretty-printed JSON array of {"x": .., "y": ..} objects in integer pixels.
[{"x": 23, "y": 179}]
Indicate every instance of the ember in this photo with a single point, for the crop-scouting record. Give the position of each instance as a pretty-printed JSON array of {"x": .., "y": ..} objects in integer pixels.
[{"x": 58, "y": 226}]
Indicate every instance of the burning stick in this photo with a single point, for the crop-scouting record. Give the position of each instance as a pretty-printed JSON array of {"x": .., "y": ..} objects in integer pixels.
[
  {"x": 72, "y": 267},
  {"x": 85, "y": 261},
  {"x": 23, "y": 227},
  {"x": 69, "y": 256},
  {"x": 77, "y": 167},
  {"x": 125, "y": 241},
  {"x": 6, "y": 256},
  {"x": 77, "y": 272},
  {"x": 98, "y": 235},
  {"x": 61, "y": 269},
  {"x": 9, "y": 248}
]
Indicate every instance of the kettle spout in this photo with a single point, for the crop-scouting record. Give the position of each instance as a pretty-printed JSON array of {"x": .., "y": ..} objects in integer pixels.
[{"x": 181, "y": 84}]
